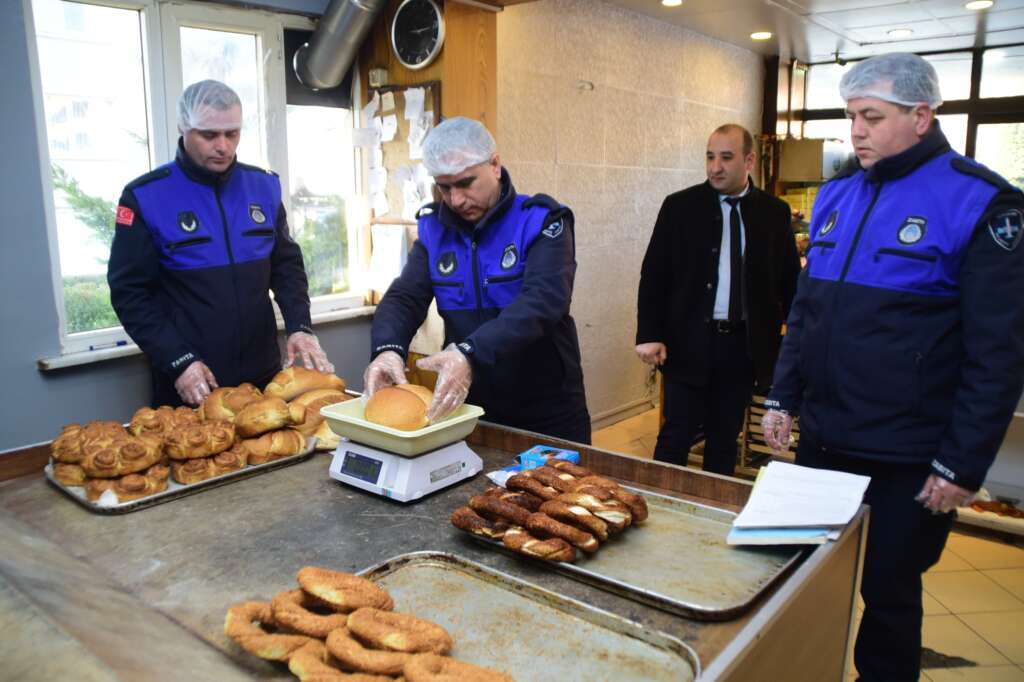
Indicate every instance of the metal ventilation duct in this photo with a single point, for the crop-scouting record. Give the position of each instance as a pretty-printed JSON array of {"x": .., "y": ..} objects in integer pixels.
[{"x": 323, "y": 61}]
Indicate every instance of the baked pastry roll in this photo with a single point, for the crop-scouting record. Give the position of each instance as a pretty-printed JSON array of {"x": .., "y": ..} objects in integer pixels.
[
  {"x": 293, "y": 381},
  {"x": 192, "y": 470},
  {"x": 226, "y": 402},
  {"x": 313, "y": 401},
  {"x": 204, "y": 439},
  {"x": 274, "y": 445},
  {"x": 69, "y": 474},
  {"x": 162, "y": 420},
  {"x": 131, "y": 487},
  {"x": 268, "y": 414},
  {"x": 234, "y": 459},
  {"x": 117, "y": 456}
]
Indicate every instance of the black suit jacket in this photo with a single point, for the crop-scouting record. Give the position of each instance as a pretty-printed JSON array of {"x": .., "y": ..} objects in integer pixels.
[{"x": 680, "y": 273}]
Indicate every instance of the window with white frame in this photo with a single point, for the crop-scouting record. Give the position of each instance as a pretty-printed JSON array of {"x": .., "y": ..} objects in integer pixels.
[{"x": 110, "y": 76}]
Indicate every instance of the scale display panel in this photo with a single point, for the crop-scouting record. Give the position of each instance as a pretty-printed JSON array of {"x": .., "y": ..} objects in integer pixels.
[{"x": 361, "y": 467}]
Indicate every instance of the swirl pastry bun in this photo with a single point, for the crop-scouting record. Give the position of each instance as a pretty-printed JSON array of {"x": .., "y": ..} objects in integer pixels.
[
  {"x": 204, "y": 439},
  {"x": 231, "y": 460},
  {"x": 188, "y": 471},
  {"x": 119, "y": 455},
  {"x": 403, "y": 407},
  {"x": 293, "y": 381},
  {"x": 70, "y": 475},
  {"x": 162, "y": 420}
]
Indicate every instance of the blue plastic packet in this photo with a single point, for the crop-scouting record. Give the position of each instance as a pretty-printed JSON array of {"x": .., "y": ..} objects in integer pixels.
[{"x": 538, "y": 454}]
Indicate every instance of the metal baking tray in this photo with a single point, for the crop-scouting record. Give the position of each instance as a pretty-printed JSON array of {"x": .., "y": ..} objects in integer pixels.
[
  {"x": 678, "y": 561},
  {"x": 346, "y": 419},
  {"x": 531, "y": 633},
  {"x": 176, "y": 490}
]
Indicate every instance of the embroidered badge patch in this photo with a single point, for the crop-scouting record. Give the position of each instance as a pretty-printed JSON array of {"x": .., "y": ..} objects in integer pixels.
[
  {"x": 125, "y": 216},
  {"x": 510, "y": 257},
  {"x": 187, "y": 221},
  {"x": 554, "y": 230},
  {"x": 1006, "y": 228},
  {"x": 829, "y": 224},
  {"x": 912, "y": 230},
  {"x": 447, "y": 263},
  {"x": 257, "y": 215}
]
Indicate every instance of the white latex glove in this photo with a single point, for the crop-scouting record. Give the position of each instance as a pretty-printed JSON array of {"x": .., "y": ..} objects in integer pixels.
[
  {"x": 653, "y": 353},
  {"x": 195, "y": 383},
  {"x": 777, "y": 425},
  {"x": 387, "y": 369},
  {"x": 307, "y": 347},
  {"x": 454, "y": 375},
  {"x": 941, "y": 497}
]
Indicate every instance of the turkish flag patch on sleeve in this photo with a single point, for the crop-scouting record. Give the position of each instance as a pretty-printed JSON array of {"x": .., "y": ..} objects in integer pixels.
[{"x": 125, "y": 216}]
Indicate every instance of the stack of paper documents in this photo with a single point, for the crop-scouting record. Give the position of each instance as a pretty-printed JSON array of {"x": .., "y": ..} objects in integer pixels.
[{"x": 795, "y": 505}]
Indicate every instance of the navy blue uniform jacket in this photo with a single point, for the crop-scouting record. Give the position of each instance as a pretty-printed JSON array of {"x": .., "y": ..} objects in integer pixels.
[
  {"x": 194, "y": 257},
  {"x": 503, "y": 288},
  {"x": 906, "y": 338}
]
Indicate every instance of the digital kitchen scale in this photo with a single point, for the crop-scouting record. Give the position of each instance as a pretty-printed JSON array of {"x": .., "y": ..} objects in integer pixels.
[{"x": 399, "y": 477}]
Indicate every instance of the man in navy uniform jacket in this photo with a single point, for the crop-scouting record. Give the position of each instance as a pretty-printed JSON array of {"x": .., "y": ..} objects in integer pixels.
[
  {"x": 500, "y": 266},
  {"x": 199, "y": 244},
  {"x": 904, "y": 353}
]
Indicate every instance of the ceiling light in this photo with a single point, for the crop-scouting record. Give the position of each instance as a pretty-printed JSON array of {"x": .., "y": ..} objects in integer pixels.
[
  {"x": 761, "y": 35},
  {"x": 979, "y": 4},
  {"x": 900, "y": 33},
  {"x": 671, "y": 3}
]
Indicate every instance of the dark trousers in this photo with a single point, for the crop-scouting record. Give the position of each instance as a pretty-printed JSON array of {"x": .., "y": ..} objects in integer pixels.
[
  {"x": 719, "y": 406},
  {"x": 574, "y": 426},
  {"x": 904, "y": 541}
]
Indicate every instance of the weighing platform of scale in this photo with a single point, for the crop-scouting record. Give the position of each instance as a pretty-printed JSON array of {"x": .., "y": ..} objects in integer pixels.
[{"x": 399, "y": 477}]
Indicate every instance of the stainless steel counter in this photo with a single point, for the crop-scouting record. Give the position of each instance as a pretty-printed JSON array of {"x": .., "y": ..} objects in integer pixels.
[{"x": 183, "y": 563}]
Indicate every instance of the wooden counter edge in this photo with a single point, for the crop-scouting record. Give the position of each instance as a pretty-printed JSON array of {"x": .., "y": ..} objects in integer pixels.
[{"x": 24, "y": 461}]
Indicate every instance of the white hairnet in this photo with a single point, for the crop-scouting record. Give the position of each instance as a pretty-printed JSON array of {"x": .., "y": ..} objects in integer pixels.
[
  {"x": 455, "y": 145},
  {"x": 202, "y": 105},
  {"x": 897, "y": 77}
]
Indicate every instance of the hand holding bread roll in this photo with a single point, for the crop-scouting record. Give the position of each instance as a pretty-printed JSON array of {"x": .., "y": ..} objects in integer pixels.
[
  {"x": 454, "y": 376},
  {"x": 224, "y": 403},
  {"x": 403, "y": 407}
]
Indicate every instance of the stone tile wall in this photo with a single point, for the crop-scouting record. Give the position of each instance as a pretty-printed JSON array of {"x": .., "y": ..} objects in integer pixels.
[{"x": 613, "y": 152}]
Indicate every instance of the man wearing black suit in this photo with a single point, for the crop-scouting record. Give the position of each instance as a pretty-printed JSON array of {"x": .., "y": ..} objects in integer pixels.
[{"x": 715, "y": 288}]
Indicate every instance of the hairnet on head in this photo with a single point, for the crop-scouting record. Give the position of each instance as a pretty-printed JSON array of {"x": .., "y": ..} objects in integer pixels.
[
  {"x": 455, "y": 145},
  {"x": 897, "y": 77},
  {"x": 199, "y": 102}
]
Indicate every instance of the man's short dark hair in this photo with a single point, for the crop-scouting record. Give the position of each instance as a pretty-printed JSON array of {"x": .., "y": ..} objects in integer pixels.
[{"x": 748, "y": 139}]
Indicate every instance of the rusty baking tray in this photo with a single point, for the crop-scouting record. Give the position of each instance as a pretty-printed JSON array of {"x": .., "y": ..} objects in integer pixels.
[
  {"x": 678, "y": 561},
  {"x": 531, "y": 633},
  {"x": 176, "y": 490}
]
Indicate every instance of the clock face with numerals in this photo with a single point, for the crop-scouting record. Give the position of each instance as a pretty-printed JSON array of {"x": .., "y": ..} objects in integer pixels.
[{"x": 417, "y": 33}]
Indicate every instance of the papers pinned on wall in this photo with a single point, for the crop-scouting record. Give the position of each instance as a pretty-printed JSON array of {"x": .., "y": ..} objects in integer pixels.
[
  {"x": 389, "y": 126},
  {"x": 388, "y": 255},
  {"x": 414, "y": 103}
]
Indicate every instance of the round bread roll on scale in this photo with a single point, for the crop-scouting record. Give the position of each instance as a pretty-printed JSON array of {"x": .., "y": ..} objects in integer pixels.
[{"x": 390, "y": 448}]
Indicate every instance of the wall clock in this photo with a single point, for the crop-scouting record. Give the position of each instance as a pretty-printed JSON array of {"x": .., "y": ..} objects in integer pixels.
[{"x": 417, "y": 33}]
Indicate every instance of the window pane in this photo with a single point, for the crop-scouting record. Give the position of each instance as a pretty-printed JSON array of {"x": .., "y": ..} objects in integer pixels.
[
  {"x": 831, "y": 129},
  {"x": 954, "y": 127},
  {"x": 91, "y": 68},
  {"x": 320, "y": 172},
  {"x": 823, "y": 86},
  {"x": 1002, "y": 72},
  {"x": 954, "y": 71},
  {"x": 1000, "y": 146},
  {"x": 230, "y": 58}
]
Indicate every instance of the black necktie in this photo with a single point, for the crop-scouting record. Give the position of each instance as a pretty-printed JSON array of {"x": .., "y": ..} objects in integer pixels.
[{"x": 735, "y": 262}]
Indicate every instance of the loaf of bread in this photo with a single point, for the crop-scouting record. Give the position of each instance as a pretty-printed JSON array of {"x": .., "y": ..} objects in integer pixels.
[
  {"x": 313, "y": 401},
  {"x": 326, "y": 439},
  {"x": 403, "y": 407},
  {"x": 274, "y": 445},
  {"x": 294, "y": 381},
  {"x": 204, "y": 439},
  {"x": 268, "y": 414},
  {"x": 226, "y": 402},
  {"x": 118, "y": 455}
]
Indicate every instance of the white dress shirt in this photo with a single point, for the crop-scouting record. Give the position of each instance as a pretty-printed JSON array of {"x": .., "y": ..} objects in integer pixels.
[{"x": 724, "y": 254}]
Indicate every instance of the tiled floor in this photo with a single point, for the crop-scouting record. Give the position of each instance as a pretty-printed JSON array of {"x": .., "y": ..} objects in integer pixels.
[{"x": 973, "y": 598}]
